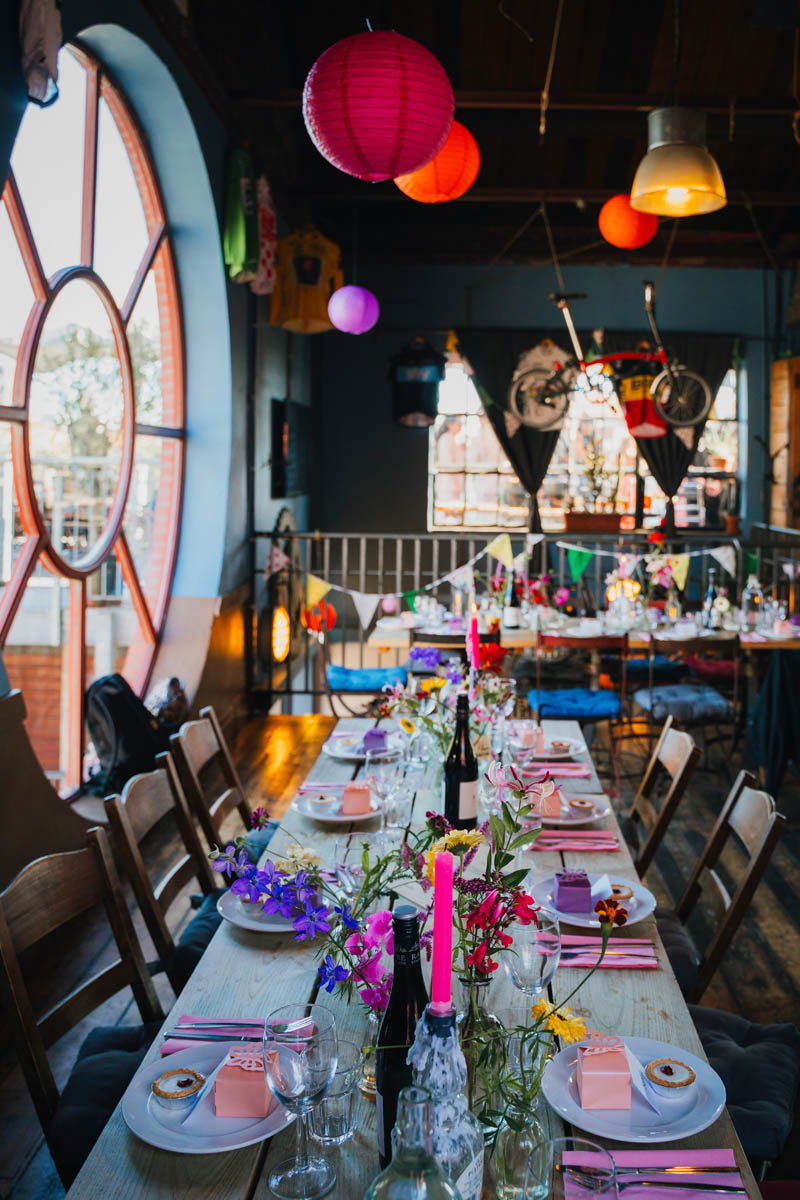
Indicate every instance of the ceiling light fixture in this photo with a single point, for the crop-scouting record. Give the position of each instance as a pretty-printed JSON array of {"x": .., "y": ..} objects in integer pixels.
[{"x": 677, "y": 177}]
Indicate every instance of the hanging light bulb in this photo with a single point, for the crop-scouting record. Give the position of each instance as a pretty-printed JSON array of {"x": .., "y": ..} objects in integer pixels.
[{"x": 677, "y": 177}]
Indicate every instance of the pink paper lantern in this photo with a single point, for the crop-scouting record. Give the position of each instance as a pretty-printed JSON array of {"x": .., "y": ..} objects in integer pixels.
[
  {"x": 353, "y": 309},
  {"x": 389, "y": 604},
  {"x": 377, "y": 105}
]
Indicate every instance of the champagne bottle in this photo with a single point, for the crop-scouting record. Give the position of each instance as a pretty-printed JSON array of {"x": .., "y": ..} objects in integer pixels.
[
  {"x": 709, "y": 610},
  {"x": 413, "y": 1173},
  {"x": 460, "y": 782},
  {"x": 407, "y": 1001},
  {"x": 511, "y": 603}
]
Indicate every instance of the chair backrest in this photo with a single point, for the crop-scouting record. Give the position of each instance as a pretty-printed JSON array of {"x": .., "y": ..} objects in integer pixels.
[
  {"x": 720, "y": 645},
  {"x": 144, "y": 801},
  {"x": 750, "y": 815},
  {"x": 451, "y": 641},
  {"x": 197, "y": 747},
  {"x": 44, "y": 896},
  {"x": 675, "y": 755}
]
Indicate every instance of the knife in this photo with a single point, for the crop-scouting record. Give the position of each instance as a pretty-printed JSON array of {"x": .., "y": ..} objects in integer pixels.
[
  {"x": 675, "y": 1185},
  {"x": 687, "y": 1170},
  {"x": 212, "y": 1037}
]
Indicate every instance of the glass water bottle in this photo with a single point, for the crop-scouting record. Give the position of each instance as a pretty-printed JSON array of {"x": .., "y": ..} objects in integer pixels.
[{"x": 413, "y": 1173}]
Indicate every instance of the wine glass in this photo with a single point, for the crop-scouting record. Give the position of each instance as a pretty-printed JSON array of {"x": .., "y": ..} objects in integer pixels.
[
  {"x": 300, "y": 1059},
  {"x": 383, "y": 770},
  {"x": 532, "y": 959},
  {"x": 568, "y": 1169}
]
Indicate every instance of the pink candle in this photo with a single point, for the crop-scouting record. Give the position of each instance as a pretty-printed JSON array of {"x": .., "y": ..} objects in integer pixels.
[
  {"x": 442, "y": 965},
  {"x": 474, "y": 641}
]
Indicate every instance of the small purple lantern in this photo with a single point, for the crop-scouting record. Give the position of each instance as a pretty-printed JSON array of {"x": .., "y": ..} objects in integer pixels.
[{"x": 353, "y": 309}]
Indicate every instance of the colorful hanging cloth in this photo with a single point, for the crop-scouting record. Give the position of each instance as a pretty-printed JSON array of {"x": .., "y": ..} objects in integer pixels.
[
  {"x": 307, "y": 273},
  {"x": 264, "y": 281},
  {"x": 240, "y": 232}
]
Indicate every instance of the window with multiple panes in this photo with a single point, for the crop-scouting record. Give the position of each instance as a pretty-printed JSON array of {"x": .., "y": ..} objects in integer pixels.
[
  {"x": 471, "y": 483},
  {"x": 91, "y": 408}
]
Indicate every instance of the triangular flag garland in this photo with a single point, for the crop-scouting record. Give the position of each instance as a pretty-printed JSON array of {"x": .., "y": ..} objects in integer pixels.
[
  {"x": 578, "y": 562},
  {"x": 276, "y": 561},
  {"x": 316, "y": 588},
  {"x": 679, "y": 565},
  {"x": 411, "y": 600},
  {"x": 750, "y": 562},
  {"x": 365, "y": 605},
  {"x": 726, "y": 557},
  {"x": 500, "y": 548}
]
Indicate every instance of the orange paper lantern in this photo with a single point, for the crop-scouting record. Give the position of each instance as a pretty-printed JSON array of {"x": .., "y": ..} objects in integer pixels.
[
  {"x": 321, "y": 616},
  {"x": 623, "y": 226},
  {"x": 447, "y": 176}
]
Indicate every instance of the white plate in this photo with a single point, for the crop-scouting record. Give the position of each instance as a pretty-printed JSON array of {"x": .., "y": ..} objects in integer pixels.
[
  {"x": 161, "y": 1127},
  {"x": 333, "y": 815},
  {"x": 639, "y": 907},
  {"x": 640, "y": 1123},
  {"x": 350, "y": 747},
  {"x": 229, "y": 907},
  {"x": 389, "y": 623},
  {"x": 568, "y": 817}
]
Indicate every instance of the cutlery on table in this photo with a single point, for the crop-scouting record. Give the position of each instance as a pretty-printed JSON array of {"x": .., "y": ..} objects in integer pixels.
[
  {"x": 255, "y": 1024},
  {"x": 687, "y": 1170},
  {"x": 194, "y": 1036},
  {"x": 675, "y": 1185}
]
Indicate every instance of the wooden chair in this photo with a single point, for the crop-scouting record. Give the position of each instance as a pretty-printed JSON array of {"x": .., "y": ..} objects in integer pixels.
[
  {"x": 676, "y": 756},
  {"x": 144, "y": 801},
  {"x": 198, "y": 748},
  {"x": 750, "y": 818},
  {"x": 44, "y": 896}
]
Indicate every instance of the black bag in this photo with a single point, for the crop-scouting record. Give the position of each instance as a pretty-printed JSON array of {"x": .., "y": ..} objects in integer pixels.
[{"x": 125, "y": 735}]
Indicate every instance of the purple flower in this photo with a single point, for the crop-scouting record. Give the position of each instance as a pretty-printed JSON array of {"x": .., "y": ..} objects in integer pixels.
[
  {"x": 427, "y": 657},
  {"x": 311, "y": 921},
  {"x": 426, "y": 943},
  {"x": 249, "y": 885},
  {"x": 347, "y": 918},
  {"x": 330, "y": 974},
  {"x": 259, "y": 817},
  {"x": 438, "y": 824},
  {"x": 377, "y": 997},
  {"x": 232, "y": 862},
  {"x": 455, "y": 673}
]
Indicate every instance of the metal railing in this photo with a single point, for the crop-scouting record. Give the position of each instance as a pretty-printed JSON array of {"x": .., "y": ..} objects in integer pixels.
[{"x": 401, "y": 563}]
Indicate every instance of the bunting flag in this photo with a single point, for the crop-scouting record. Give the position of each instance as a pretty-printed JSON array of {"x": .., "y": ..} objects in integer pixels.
[
  {"x": 316, "y": 588},
  {"x": 628, "y": 564},
  {"x": 726, "y": 557},
  {"x": 411, "y": 600},
  {"x": 791, "y": 569},
  {"x": 679, "y": 565},
  {"x": 533, "y": 539},
  {"x": 365, "y": 605},
  {"x": 500, "y": 548},
  {"x": 578, "y": 562},
  {"x": 276, "y": 561},
  {"x": 750, "y": 561},
  {"x": 685, "y": 434},
  {"x": 463, "y": 577}
]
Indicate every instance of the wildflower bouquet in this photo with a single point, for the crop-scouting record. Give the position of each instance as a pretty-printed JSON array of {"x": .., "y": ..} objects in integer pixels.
[{"x": 432, "y": 709}]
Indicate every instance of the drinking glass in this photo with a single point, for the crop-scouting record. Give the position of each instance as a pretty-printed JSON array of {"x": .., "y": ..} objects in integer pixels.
[
  {"x": 332, "y": 1120},
  {"x": 383, "y": 771},
  {"x": 300, "y": 1059},
  {"x": 348, "y": 853},
  {"x": 532, "y": 959},
  {"x": 569, "y": 1169}
]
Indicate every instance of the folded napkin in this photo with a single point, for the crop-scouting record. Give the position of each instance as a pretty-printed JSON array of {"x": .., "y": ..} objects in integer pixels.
[
  {"x": 559, "y": 770},
  {"x": 608, "y": 845},
  {"x": 172, "y": 1044},
  {"x": 753, "y": 637},
  {"x": 626, "y": 1159},
  {"x": 312, "y": 785},
  {"x": 635, "y": 954}
]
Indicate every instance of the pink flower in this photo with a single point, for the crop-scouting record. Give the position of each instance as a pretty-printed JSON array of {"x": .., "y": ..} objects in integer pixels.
[
  {"x": 379, "y": 931},
  {"x": 370, "y": 969},
  {"x": 561, "y": 597},
  {"x": 353, "y": 944},
  {"x": 377, "y": 998},
  {"x": 495, "y": 774}
]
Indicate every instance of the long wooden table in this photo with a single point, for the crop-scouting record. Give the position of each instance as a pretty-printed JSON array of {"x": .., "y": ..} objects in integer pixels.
[{"x": 245, "y": 974}]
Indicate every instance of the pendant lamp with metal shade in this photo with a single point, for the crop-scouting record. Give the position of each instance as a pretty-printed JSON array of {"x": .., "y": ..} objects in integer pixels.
[{"x": 677, "y": 177}]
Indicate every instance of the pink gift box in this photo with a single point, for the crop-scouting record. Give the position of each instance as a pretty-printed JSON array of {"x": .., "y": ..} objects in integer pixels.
[
  {"x": 603, "y": 1075},
  {"x": 356, "y": 799},
  {"x": 241, "y": 1088}
]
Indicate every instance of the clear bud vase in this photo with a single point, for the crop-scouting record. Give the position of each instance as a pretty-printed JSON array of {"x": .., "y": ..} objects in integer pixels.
[
  {"x": 482, "y": 1037},
  {"x": 520, "y": 1131},
  {"x": 367, "y": 1082}
]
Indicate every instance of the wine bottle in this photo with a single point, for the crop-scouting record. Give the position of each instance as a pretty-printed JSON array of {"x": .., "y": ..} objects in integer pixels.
[
  {"x": 709, "y": 610},
  {"x": 460, "y": 783},
  {"x": 438, "y": 1063},
  {"x": 407, "y": 1001},
  {"x": 512, "y": 604},
  {"x": 413, "y": 1173}
]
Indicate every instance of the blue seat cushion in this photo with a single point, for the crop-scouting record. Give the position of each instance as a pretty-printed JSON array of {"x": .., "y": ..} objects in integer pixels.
[
  {"x": 682, "y": 953},
  {"x": 760, "y": 1067},
  {"x": 576, "y": 704},
  {"x": 363, "y": 679},
  {"x": 683, "y": 701},
  {"x": 106, "y": 1063},
  {"x": 194, "y": 940},
  {"x": 637, "y": 670}
]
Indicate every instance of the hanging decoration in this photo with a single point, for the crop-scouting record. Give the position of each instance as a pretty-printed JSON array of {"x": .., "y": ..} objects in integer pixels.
[
  {"x": 679, "y": 565},
  {"x": 411, "y": 599},
  {"x": 578, "y": 560},
  {"x": 319, "y": 618},
  {"x": 726, "y": 557},
  {"x": 415, "y": 373},
  {"x": 389, "y": 605},
  {"x": 447, "y": 176},
  {"x": 677, "y": 177},
  {"x": 623, "y": 226},
  {"x": 277, "y": 559},
  {"x": 365, "y": 604},
  {"x": 378, "y": 105},
  {"x": 353, "y": 309},
  {"x": 500, "y": 548},
  {"x": 316, "y": 588}
]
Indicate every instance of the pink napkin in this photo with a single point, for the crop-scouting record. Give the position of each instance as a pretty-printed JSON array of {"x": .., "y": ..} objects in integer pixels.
[
  {"x": 543, "y": 843},
  {"x": 641, "y": 951},
  {"x": 311, "y": 785},
  {"x": 172, "y": 1044},
  {"x": 559, "y": 770},
  {"x": 671, "y": 1158},
  {"x": 752, "y": 637},
  {"x": 644, "y": 962}
]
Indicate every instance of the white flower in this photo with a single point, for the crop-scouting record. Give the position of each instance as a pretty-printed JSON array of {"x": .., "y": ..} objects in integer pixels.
[
  {"x": 496, "y": 775},
  {"x": 722, "y": 604}
]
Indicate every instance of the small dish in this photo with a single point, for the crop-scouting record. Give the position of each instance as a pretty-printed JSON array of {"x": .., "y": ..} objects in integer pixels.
[
  {"x": 674, "y": 1083},
  {"x": 177, "y": 1088},
  {"x": 621, "y": 892},
  {"x": 641, "y": 904}
]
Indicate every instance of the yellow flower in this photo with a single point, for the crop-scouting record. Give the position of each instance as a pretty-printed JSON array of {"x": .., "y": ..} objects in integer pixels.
[
  {"x": 407, "y": 725},
  {"x": 459, "y": 841},
  {"x": 297, "y": 858},
  {"x": 560, "y": 1021},
  {"x": 432, "y": 685}
]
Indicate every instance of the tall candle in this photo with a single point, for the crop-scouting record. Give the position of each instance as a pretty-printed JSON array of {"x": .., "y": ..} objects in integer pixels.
[
  {"x": 442, "y": 965},
  {"x": 473, "y": 640}
]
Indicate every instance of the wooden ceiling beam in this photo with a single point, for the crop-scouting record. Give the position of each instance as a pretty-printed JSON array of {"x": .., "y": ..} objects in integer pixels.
[{"x": 527, "y": 195}]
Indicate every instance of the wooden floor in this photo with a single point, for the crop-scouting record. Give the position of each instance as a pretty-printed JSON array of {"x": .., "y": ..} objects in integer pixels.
[{"x": 759, "y": 978}]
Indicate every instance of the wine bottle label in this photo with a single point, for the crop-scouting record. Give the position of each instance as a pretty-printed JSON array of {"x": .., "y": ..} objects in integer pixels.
[
  {"x": 511, "y": 617},
  {"x": 483, "y": 746},
  {"x": 468, "y": 801},
  {"x": 405, "y": 957},
  {"x": 470, "y": 1181},
  {"x": 379, "y": 1124}
]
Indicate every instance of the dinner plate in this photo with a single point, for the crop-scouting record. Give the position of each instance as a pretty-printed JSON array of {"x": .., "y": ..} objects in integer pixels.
[
  {"x": 251, "y": 917},
  {"x": 162, "y": 1127},
  {"x": 601, "y": 809},
  {"x": 640, "y": 1123},
  {"x": 334, "y": 815},
  {"x": 350, "y": 747},
  {"x": 640, "y": 906}
]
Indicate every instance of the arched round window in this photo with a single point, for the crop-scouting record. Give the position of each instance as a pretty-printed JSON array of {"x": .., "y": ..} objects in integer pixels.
[{"x": 91, "y": 408}]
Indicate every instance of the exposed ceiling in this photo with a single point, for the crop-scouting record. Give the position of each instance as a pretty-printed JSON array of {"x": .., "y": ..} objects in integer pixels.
[{"x": 614, "y": 62}]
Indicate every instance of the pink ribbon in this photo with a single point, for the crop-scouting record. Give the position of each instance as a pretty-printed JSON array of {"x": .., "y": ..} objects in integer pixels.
[
  {"x": 601, "y": 1043},
  {"x": 246, "y": 1059}
]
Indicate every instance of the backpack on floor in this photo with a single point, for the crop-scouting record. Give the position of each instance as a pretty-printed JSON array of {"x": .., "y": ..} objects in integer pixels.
[{"x": 126, "y": 737}]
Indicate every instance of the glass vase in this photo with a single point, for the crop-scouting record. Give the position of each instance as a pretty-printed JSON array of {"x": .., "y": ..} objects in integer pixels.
[
  {"x": 482, "y": 1040},
  {"x": 367, "y": 1081},
  {"x": 520, "y": 1131}
]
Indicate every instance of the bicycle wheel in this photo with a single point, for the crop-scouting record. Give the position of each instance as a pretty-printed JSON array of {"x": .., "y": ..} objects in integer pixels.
[
  {"x": 539, "y": 398},
  {"x": 688, "y": 403}
]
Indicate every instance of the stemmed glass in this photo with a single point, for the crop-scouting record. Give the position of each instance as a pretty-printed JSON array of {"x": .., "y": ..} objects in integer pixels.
[
  {"x": 300, "y": 1059},
  {"x": 532, "y": 960},
  {"x": 569, "y": 1168},
  {"x": 383, "y": 770}
]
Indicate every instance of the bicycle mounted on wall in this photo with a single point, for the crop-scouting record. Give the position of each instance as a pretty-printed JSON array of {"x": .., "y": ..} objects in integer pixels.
[{"x": 540, "y": 397}]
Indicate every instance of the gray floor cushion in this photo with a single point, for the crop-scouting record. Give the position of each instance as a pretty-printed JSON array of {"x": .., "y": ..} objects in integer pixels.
[
  {"x": 683, "y": 701},
  {"x": 681, "y": 951}
]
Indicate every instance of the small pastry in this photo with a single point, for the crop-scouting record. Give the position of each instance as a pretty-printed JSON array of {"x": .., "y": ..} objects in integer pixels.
[
  {"x": 579, "y": 804},
  {"x": 323, "y": 801},
  {"x": 560, "y": 747},
  {"x": 621, "y": 891},
  {"x": 178, "y": 1089},
  {"x": 669, "y": 1073}
]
